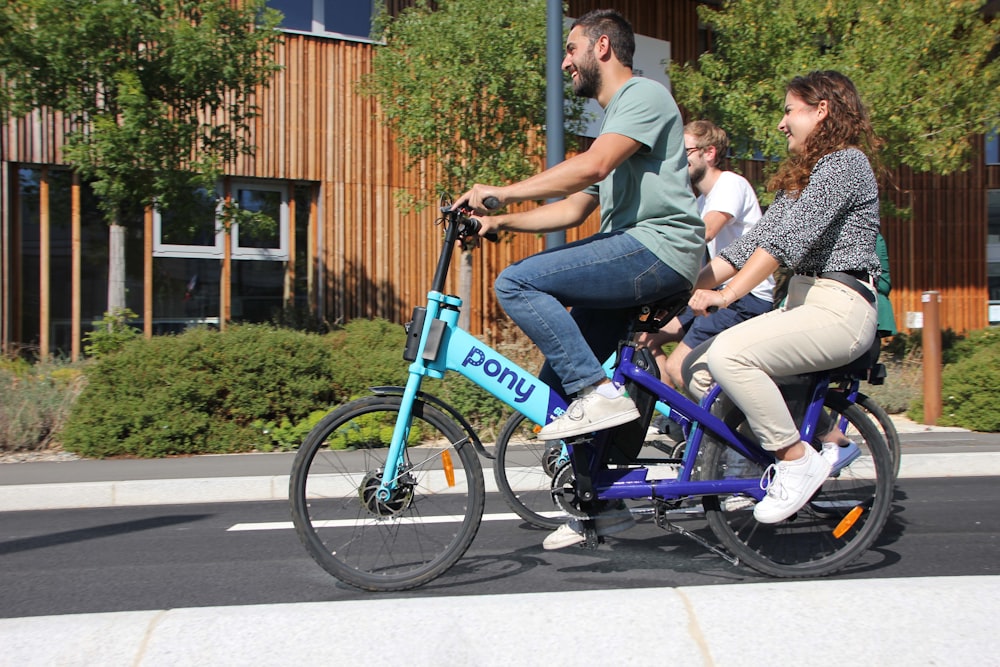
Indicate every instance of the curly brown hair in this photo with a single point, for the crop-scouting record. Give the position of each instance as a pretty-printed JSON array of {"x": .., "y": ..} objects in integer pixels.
[{"x": 846, "y": 125}]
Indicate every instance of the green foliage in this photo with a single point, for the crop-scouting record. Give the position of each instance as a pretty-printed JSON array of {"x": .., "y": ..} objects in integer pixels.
[
  {"x": 286, "y": 435},
  {"x": 369, "y": 353},
  {"x": 161, "y": 69},
  {"x": 110, "y": 334},
  {"x": 970, "y": 384},
  {"x": 926, "y": 69},
  {"x": 141, "y": 85},
  {"x": 200, "y": 392},
  {"x": 35, "y": 401},
  {"x": 465, "y": 84}
]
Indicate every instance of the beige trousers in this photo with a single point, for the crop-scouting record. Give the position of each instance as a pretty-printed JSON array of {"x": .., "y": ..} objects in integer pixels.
[{"x": 822, "y": 325}]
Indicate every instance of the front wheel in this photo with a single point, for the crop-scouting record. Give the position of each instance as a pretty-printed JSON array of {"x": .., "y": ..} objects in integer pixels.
[
  {"x": 395, "y": 543},
  {"x": 841, "y": 521}
]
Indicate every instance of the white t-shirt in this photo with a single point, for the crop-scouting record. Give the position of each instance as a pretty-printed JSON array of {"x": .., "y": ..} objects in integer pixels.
[{"x": 733, "y": 195}]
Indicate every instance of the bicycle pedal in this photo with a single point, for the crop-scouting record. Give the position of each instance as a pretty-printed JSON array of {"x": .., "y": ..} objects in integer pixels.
[{"x": 591, "y": 539}]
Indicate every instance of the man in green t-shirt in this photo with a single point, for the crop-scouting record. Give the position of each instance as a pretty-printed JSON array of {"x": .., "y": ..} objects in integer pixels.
[{"x": 649, "y": 246}]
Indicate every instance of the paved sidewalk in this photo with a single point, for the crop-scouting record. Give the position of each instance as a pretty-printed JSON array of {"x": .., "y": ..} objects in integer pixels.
[
  {"x": 928, "y": 451},
  {"x": 889, "y": 622}
]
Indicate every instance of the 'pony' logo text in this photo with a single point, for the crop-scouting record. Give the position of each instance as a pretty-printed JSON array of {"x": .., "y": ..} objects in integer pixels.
[{"x": 495, "y": 369}]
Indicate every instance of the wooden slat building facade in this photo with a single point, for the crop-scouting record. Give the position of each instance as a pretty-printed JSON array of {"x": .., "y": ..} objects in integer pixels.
[{"x": 366, "y": 259}]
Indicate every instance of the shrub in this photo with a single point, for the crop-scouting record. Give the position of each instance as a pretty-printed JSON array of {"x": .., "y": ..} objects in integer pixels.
[
  {"x": 970, "y": 385},
  {"x": 903, "y": 384},
  {"x": 199, "y": 392},
  {"x": 368, "y": 353},
  {"x": 110, "y": 334},
  {"x": 35, "y": 402}
]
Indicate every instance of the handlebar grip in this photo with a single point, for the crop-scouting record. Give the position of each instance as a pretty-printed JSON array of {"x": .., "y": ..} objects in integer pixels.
[
  {"x": 491, "y": 203},
  {"x": 712, "y": 309},
  {"x": 473, "y": 227}
]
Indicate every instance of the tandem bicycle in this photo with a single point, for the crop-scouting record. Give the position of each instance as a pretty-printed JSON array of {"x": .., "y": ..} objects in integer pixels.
[{"x": 387, "y": 491}]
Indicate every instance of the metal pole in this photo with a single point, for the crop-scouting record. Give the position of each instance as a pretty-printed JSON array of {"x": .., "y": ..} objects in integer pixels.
[
  {"x": 555, "y": 147},
  {"x": 932, "y": 356}
]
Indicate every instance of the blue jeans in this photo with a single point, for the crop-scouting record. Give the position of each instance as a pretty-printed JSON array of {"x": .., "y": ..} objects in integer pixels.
[
  {"x": 603, "y": 279},
  {"x": 699, "y": 328}
]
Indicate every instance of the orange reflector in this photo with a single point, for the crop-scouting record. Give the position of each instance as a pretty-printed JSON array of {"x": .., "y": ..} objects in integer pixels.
[
  {"x": 536, "y": 428},
  {"x": 848, "y": 521},
  {"x": 449, "y": 467}
]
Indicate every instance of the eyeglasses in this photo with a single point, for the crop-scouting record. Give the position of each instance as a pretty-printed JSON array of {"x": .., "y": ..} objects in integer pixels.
[{"x": 692, "y": 148}]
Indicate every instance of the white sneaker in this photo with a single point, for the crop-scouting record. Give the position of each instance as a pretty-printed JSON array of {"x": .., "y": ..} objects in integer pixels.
[
  {"x": 840, "y": 456},
  {"x": 588, "y": 413},
  {"x": 790, "y": 485},
  {"x": 606, "y": 523}
]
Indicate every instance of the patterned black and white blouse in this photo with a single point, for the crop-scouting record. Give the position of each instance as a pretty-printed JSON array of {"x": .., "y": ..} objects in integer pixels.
[{"x": 831, "y": 226}]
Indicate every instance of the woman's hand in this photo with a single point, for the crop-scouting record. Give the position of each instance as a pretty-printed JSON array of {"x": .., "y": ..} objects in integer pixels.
[{"x": 704, "y": 299}]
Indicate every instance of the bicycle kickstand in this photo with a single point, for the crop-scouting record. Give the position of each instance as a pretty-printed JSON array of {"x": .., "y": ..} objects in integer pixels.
[{"x": 663, "y": 522}]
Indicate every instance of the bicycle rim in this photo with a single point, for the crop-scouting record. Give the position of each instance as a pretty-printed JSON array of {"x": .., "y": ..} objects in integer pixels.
[
  {"x": 523, "y": 470},
  {"x": 420, "y": 531},
  {"x": 886, "y": 426},
  {"x": 840, "y": 522}
]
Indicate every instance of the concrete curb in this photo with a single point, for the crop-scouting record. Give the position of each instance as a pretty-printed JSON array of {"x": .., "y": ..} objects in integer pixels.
[
  {"x": 928, "y": 621},
  {"x": 131, "y": 493}
]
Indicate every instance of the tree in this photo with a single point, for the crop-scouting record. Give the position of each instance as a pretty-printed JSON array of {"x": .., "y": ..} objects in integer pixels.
[
  {"x": 463, "y": 87},
  {"x": 157, "y": 93},
  {"x": 927, "y": 69}
]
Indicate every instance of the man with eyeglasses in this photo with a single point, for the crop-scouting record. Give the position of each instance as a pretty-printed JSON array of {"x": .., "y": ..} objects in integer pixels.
[{"x": 728, "y": 205}]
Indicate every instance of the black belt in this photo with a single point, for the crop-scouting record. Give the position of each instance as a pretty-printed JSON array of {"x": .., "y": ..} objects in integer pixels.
[
  {"x": 854, "y": 279},
  {"x": 860, "y": 275}
]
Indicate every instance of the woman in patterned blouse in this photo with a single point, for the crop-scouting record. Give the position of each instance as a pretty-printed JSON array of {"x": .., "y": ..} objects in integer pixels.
[{"x": 822, "y": 225}]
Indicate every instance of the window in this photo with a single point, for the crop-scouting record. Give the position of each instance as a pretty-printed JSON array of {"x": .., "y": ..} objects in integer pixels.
[
  {"x": 350, "y": 19},
  {"x": 270, "y": 244},
  {"x": 192, "y": 228},
  {"x": 188, "y": 229},
  {"x": 992, "y": 148}
]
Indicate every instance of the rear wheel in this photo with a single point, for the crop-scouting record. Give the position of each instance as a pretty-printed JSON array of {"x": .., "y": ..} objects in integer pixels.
[
  {"x": 886, "y": 425},
  {"x": 523, "y": 468},
  {"x": 386, "y": 544},
  {"x": 840, "y": 522}
]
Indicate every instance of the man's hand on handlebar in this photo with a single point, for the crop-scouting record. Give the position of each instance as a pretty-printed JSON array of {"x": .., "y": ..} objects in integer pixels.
[{"x": 481, "y": 199}]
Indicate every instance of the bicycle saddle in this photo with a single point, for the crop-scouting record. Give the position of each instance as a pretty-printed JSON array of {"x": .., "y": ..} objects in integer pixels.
[{"x": 865, "y": 367}]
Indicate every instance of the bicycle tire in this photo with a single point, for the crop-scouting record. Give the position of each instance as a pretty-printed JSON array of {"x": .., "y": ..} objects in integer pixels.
[
  {"x": 887, "y": 426},
  {"x": 415, "y": 536},
  {"x": 805, "y": 545},
  {"x": 523, "y": 467}
]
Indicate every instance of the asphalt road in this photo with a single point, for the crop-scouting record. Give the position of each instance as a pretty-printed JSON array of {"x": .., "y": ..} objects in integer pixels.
[{"x": 174, "y": 556}]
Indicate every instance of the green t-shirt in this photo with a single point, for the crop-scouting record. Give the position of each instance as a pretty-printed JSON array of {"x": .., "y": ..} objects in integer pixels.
[{"x": 649, "y": 194}]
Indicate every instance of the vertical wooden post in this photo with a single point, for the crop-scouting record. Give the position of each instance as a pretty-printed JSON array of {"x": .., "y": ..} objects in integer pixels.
[
  {"x": 932, "y": 356},
  {"x": 289, "y": 296},
  {"x": 44, "y": 257},
  {"x": 76, "y": 266},
  {"x": 147, "y": 273},
  {"x": 225, "y": 280},
  {"x": 312, "y": 255}
]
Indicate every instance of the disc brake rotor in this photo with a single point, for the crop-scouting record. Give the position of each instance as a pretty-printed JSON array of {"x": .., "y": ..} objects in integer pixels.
[{"x": 399, "y": 498}]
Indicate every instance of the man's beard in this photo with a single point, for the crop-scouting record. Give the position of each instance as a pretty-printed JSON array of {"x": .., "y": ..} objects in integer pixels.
[
  {"x": 697, "y": 174},
  {"x": 588, "y": 80}
]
